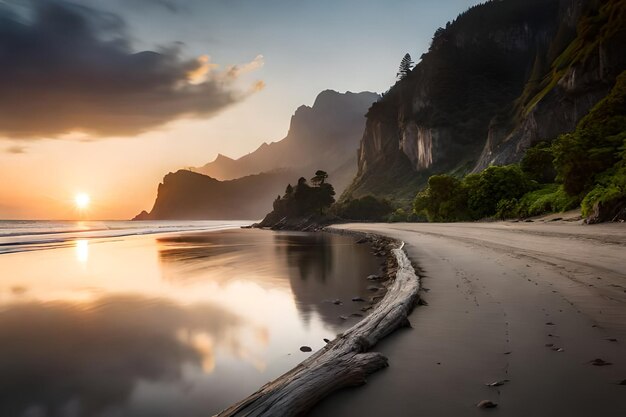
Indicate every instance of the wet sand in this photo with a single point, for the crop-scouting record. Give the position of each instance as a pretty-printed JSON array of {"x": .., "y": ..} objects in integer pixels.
[{"x": 503, "y": 298}]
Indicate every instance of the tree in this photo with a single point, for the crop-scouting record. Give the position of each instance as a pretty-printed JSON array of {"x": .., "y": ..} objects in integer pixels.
[
  {"x": 406, "y": 65},
  {"x": 288, "y": 190},
  {"x": 319, "y": 178}
]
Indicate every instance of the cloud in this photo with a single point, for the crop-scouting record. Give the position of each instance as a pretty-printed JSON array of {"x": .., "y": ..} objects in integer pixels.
[
  {"x": 68, "y": 68},
  {"x": 235, "y": 71},
  {"x": 57, "y": 355},
  {"x": 169, "y": 5},
  {"x": 16, "y": 149}
]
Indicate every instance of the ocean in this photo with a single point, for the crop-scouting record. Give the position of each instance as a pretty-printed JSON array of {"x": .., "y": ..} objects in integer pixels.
[{"x": 163, "y": 319}]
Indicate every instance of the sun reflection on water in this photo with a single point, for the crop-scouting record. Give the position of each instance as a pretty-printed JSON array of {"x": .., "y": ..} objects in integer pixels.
[{"x": 82, "y": 251}]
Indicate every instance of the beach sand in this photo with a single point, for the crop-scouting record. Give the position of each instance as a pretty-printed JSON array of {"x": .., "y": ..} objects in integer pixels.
[{"x": 503, "y": 298}]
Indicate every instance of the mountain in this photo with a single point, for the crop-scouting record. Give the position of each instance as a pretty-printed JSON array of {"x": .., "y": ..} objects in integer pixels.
[
  {"x": 191, "y": 196},
  {"x": 324, "y": 136},
  {"x": 500, "y": 78}
]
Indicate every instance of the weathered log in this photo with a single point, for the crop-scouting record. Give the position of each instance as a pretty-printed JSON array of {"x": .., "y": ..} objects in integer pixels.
[{"x": 343, "y": 362}]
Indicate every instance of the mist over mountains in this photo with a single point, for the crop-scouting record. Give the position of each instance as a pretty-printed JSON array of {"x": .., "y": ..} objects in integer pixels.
[{"x": 324, "y": 136}]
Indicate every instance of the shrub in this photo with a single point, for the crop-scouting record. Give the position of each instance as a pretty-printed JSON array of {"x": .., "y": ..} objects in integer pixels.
[
  {"x": 610, "y": 191},
  {"x": 485, "y": 190},
  {"x": 444, "y": 199},
  {"x": 550, "y": 198},
  {"x": 538, "y": 164},
  {"x": 506, "y": 209},
  {"x": 399, "y": 215},
  {"x": 364, "y": 208}
]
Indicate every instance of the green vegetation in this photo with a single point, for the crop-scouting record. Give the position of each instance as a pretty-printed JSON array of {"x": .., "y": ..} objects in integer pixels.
[
  {"x": 602, "y": 24},
  {"x": 364, "y": 208},
  {"x": 587, "y": 165}
]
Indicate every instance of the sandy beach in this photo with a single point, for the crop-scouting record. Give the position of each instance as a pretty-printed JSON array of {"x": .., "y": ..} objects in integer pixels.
[{"x": 531, "y": 303}]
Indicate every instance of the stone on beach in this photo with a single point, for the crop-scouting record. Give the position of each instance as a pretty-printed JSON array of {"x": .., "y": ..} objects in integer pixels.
[
  {"x": 305, "y": 349},
  {"x": 497, "y": 383},
  {"x": 600, "y": 362},
  {"x": 486, "y": 404}
]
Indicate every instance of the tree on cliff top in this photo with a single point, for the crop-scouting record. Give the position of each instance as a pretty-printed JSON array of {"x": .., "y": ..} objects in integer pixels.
[
  {"x": 303, "y": 200},
  {"x": 406, "y": 65}
]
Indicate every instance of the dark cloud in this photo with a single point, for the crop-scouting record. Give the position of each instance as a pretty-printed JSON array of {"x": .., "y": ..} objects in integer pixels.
[
  {"x": 65, "y": 67},
  {"x": 172, "y": 6}
]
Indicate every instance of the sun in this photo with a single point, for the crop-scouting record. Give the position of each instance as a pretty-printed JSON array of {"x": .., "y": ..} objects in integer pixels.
[{"x": 82, "y": 201}]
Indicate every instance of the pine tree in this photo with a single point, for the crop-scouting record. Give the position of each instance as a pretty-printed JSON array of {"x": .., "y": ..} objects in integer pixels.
[{"x": 406, "y": 65}]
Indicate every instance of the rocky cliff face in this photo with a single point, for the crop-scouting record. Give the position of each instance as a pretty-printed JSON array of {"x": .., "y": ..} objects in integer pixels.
[
  {"x": 576, "y": 81},
  {"x": 495, "y": 81},
  {"x": 324, "y": 136}
]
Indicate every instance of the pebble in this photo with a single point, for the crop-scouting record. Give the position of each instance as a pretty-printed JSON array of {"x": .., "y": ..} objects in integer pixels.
[
  {"x": 497, "y": 383},
  {"x": 305, "y": 349},
  {"x": 600, "y": 362},
  {"x": 337, "y": 302},
  {"x": 357, "y": 299},
  {"x": 486, "y": 404}
]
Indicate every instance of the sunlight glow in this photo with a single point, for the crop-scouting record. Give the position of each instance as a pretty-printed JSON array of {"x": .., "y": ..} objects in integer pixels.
[
  {"x": 82, "y": 201},
  {"x": 82, "y": 251}
]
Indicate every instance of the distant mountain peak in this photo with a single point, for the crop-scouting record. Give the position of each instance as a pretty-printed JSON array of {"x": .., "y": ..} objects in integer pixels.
[{"x": 222, "y": 158}]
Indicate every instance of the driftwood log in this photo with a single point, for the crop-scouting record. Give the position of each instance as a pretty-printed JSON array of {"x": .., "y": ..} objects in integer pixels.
[{"x": 344, "y": 362}]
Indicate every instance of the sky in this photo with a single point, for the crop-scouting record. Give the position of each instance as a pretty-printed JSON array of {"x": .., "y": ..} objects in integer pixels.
[{"x": 106, "y": 97}]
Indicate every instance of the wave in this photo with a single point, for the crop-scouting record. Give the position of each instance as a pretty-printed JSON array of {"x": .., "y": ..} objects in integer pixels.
[{"x": 21, "y": 236}]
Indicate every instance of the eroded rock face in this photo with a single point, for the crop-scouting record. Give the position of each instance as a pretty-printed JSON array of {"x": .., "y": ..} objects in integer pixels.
[
  {"x": 576, "y": 92},
  {"x": 438, "y": 117},
  {"x": 476, "y": 97},
  {"x": 417, "y": 143},
  {"x": 611, "y": 211}
]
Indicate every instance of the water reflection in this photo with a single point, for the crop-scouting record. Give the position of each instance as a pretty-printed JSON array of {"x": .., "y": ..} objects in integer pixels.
[
  {"x": 61, "y": 357},
  {"x": 311, "y": 254},
  {"x": 82, "y": 250},
  {"x": 314, "y": 267},
  {"x": 179, "y": 325}
]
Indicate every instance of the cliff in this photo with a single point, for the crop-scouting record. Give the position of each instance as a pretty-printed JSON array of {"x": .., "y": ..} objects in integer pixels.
[
  {"x": 324, "y": 136},
  {"x": 191, "y": 196},
  {"x": 501, "y": 77}
]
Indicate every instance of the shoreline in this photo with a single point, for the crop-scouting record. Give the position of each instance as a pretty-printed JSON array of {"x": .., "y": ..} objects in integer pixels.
[
  {"x": 347, "y": 360},
  {"x": 530, "y": 307}
]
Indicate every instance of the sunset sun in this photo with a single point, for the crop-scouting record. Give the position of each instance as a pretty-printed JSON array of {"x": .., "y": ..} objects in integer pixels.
[{"x": 82, "y": 201}]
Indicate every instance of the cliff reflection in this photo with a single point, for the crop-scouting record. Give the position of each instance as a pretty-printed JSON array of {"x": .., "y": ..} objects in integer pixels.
[
  {"x": 66, "y": 359},
  {"x": 313, "y": 267},
  {"x": 326, "y": 267},
  {"x": 311, "y": 254}
]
